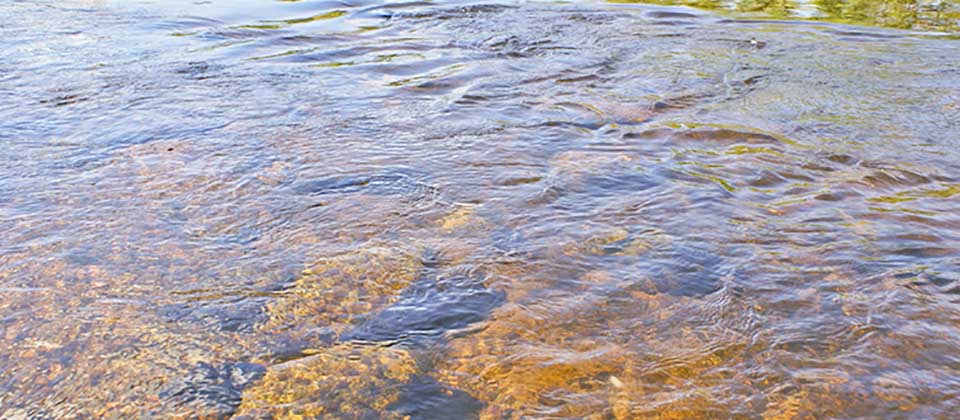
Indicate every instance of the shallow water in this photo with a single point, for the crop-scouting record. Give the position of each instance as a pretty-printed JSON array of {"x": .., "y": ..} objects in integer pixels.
[
  {"x": 930, "y": 15},
  {"x": 456, "y": 210}
]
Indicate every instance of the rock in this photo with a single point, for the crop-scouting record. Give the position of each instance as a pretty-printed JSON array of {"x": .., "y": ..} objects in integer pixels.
[
  {"x": 344, "y": 290},
  {"x": 459, "y": 218},
  {"x": 499, "y": 365},
  {"x": 342, "y": 381},
  {"x": 616, "y": 241}
]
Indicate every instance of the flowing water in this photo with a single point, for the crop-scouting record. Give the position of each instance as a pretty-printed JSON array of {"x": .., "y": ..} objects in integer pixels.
[{"x": 368, "y": 209}]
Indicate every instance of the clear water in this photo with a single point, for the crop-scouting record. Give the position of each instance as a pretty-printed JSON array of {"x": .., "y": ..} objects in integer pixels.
[{"x": 454, "y": 210}]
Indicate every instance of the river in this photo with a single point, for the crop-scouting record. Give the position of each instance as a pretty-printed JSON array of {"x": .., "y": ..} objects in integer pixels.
[{"x": 368, "y": 209}]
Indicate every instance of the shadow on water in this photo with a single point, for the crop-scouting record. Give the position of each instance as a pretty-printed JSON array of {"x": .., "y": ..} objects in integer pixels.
[
  {"x": 401, "y": 182},
  {"x": 430, "y": 308}
]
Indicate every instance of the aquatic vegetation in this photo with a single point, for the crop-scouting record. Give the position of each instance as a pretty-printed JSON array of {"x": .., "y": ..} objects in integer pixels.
[{"x": 942, "y": 15}]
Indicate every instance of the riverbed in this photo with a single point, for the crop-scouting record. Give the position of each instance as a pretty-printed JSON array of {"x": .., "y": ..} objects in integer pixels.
[{"x": 369, "y": 209}]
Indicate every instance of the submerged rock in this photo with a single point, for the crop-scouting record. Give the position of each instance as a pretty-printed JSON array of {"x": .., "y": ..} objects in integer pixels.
[
  {"x": 342, "y": 381},
  {"x": 342, "y": 291},
  {"x": 579, "y": 164},
  {"x": 521, "y": 361},
  {"x": 584, "y": 355},
  {"x": 617, "y": 241},
  {"x": 462, "y": 217}
]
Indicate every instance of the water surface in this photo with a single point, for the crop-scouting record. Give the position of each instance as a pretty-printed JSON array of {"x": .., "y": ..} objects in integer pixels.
[{"x": 457, "y": 210}]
